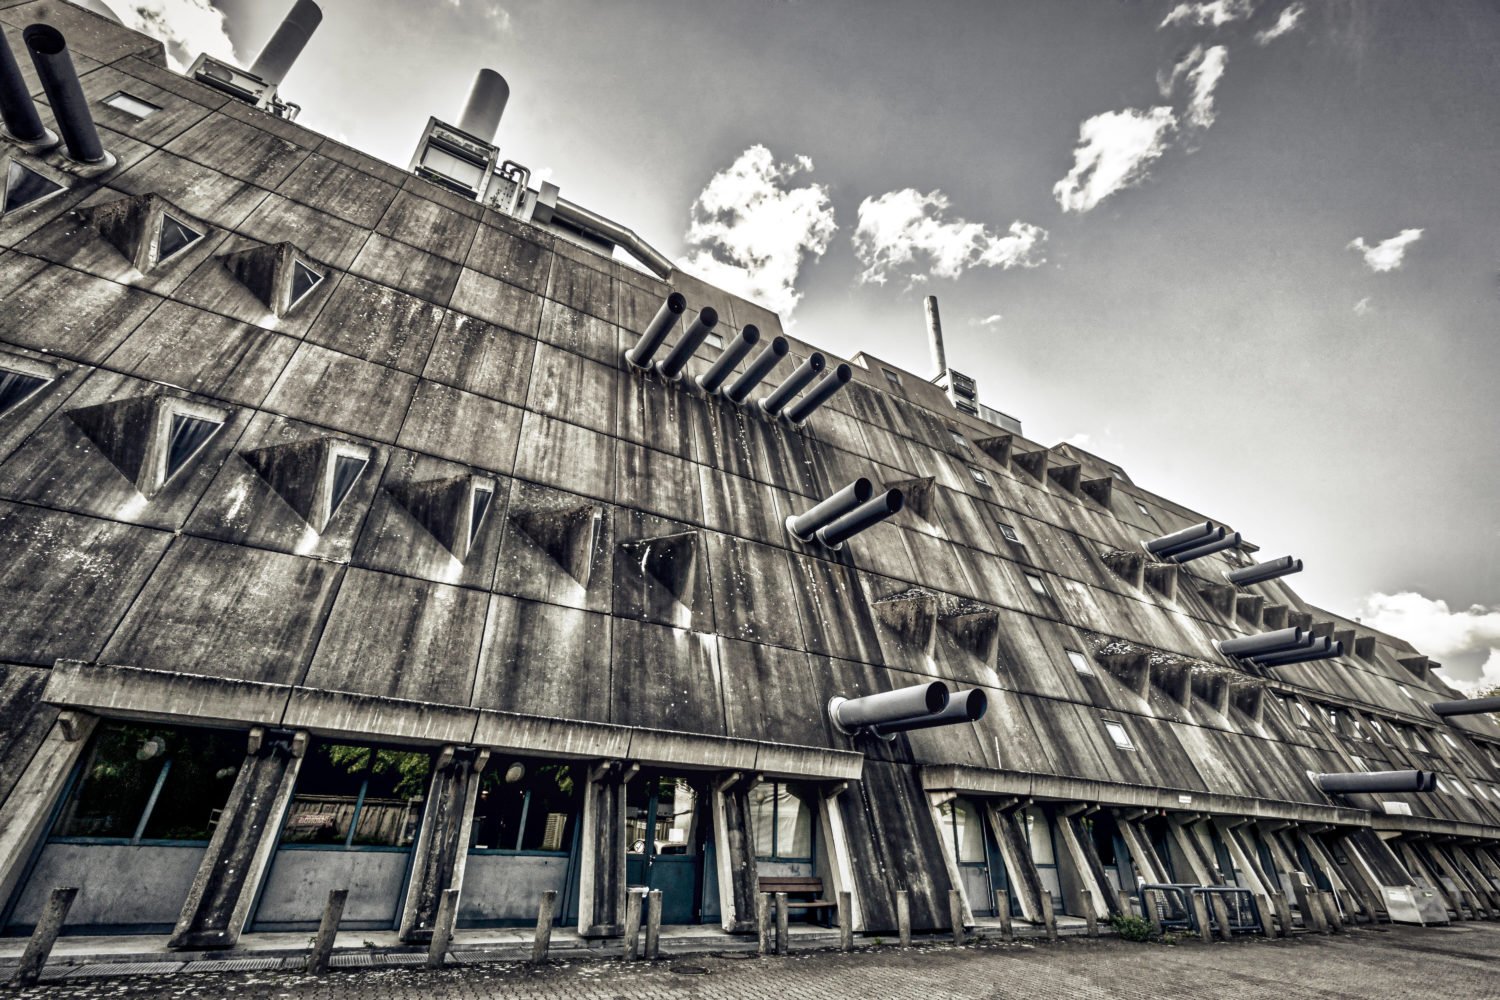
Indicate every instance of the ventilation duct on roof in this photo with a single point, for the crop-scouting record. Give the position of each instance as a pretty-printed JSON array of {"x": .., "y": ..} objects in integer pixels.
[
  {"x": 257, "y": 85},
  {"x": 23, "y": 125}
]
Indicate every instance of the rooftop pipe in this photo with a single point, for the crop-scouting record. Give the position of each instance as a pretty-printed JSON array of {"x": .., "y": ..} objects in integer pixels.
[
  {"x": 486, "y": 103},
  {"x": 657, "y": 331},
  {"x": 1285, "y": 566},
  {"x": 720, "y": 370},
  {"x": 850, "y": 715},
  {"x": 671, "y": 366},
  {"x": 1199, "y": 551},
  {"x": 49, "y": 53},
  {"x": 1377, "y": 781},
  {"x": 819, "y": 394},
  {"x": 802, "y": 526},
  {"x": 935, "y": 334},
  {"x": 1468, "y": 706},
  {"x": 773, "y": 403},
  {"x": 739, "y": 389},
  {"x": 17, "y": 109},
  {"x": 866, "y": 515},
  {"x": 291, "y": 37}
]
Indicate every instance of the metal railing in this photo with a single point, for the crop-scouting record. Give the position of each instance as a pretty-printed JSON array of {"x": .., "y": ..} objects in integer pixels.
[
  {"x": 1173, "y": 904},
  {"x": 1239, "y": 907}
]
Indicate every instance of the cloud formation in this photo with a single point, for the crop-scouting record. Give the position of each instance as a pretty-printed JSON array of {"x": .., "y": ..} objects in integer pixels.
[
  {"x": 1435, "y": 629},
  {"x": 1289, "y": 18},
  {"x": 1363, "y": 307},
  {"x": 905, "y": 231},
  {"x": 186, "y": 27},
  {"x": 989, "y": 320},
  {"x": 1214, "y": 13},
  {"x": 751, "y": 230},
  {"x": 1202, "y": 68},
  {"x": 1114, "y": 151},
  {"x": 1386, "y": 255}
]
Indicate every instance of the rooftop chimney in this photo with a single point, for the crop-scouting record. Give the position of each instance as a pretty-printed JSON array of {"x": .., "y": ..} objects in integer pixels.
[
  {"x": 481, "y": 117},
  {"x": 276, "y": 59},
  {"x": 935, "y": 335}
]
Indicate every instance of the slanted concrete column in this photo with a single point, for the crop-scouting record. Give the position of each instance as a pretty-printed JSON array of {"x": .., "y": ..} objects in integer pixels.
[
  {"x": 24, "y": 816},
  {"x": 442, "y": 848},
  {"x": 1094, "y": 892},
  {"x": 601, "y": 861},
  {"x": 1184, "y": 840},
  {"x": 239, "y": 854},
  {"x": 1460, "y": 883},
  {"x": 840, "y": 873},
  {"x": 1358, "y": 876},
  {"x": 965, "y": 917},
  {"x": 1241, "y": 857},
  {"x": 734, "y": 853},
  {"x": 1025, "y": 883},
  {"x": 1142, "y": 856}
]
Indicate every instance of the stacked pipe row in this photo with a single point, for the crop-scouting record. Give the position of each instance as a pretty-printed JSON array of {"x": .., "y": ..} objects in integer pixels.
[
  {"x": 845, "y": 514},
  {"x": 54, "y": 67},
  {"x": 922, "y": 706},
  {"x": 1281, "y": 647}
]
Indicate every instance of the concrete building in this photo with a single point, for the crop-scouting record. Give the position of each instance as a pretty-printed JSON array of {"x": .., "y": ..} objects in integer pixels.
[{"x": 343, "y": 547}]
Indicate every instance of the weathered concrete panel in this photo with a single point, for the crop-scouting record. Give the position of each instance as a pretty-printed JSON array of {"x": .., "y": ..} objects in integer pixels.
[
  {"x": 770, "y": 694},
  {"x": 325, "y": 237},
  {"x": 393, "y": 263},
  {"x": 297, "y": 888},
  {"x": 752, "y": 591},
  {"x": 345, "y": 393},
  {"x": 490, "y": 361},
  {"x": 580, "y": 332},
  {"x": 504, "y": 890},
  {"x": 463, "y": 427},
  {"x": 564, "y": 455},
  {"x": 493, "y": 301},
  {"x": 668, "y": 678},
  {"x": 525, "y": 263},
  {"x": 102, "y": 313},
  {"x": 572, "y": 388},
  {"x": 239, "y": 150},
  {"x": 580, "y": 287},
  {"x": 128, "y": 886},
  {"x": 352, "y": 195},
  {"x": 24, "y": 720},
  {"x": 420, "y": 222},
  {"x": 540, "y": 659},
  {"x": 378, "y": 324}
]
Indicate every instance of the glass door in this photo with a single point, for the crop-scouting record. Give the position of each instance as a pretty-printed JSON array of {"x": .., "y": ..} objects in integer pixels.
[{"x": 667, "y": 831}]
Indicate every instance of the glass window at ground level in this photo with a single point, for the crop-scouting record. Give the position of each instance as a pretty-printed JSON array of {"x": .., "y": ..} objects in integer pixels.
[
  {"x": 357, "y": 796},
  {"x": 525, "y": 807},
  {"x": 676, "y": 828},
  {"x": 963, "y": 824},
  {"x": 152, "y": 783},
  {"x": 782, "y": 821}
]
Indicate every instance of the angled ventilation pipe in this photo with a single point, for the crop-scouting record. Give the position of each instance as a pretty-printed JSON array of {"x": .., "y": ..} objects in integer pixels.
[
  {"x": 1285, "y": 566},
  {"x": 1376, "y": 781},
  {"x": 1187, "y": 538},
  {"x": 853, "y": 715},
  {"x": 1229, "y": 541},
  {"x": 739, "y": 390},
  {"x": 819, "y": 394},
  {"x": 1320, "y": 649},
  {"x": 49, "y": 53},
  {"x": 17, "y": 110},
  {"x": 866, "y": 515},
  {"x": 657, "y": 331},
  {"x": 1265, "y": 643},
  {"x": 1468, "y": 706},
  {"x": 803, "y": 526},
  {"x": 963, "y": 706},
  {"x": 671, "y": 366},
  {"x": 720, "y": 370},
  {"x": 775, "y": 401}
]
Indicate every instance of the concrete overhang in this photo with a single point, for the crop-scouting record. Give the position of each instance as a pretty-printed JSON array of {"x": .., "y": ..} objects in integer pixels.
[
  {"x": 127, "y": 692},
  {"x": 1426, "y": 826},
  {"x": 967, "y": 780}
]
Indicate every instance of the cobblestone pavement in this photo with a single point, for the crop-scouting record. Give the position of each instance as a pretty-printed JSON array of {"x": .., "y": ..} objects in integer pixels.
[{"x": 1391, "y": 962}]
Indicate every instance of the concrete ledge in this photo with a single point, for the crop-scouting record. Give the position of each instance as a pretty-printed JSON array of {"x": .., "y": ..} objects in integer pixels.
[
  {"x": 114, "y": 690},
  {"x": 379, "y": 718}
]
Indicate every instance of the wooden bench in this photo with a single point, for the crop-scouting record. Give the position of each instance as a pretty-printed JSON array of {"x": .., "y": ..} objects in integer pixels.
[{"x": 799, "y": 885}]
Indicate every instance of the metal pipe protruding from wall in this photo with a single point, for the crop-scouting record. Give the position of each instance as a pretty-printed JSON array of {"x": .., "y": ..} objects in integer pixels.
[
  {"x": 1229, "y": 541},
  {"x": 1285, "y": 566},
  {"x": 775, "y": 401},
  {"x": 1195, "y": 534},
  {"x": 1312, "y": 644},
  {"x": 657, "y": 331},
  {"x": 963, "y": 706},
  {"x": 17, "y": 109},
  {"x": 1265, "y": 642},
  {"x": 935, "y": 333},
  {"x": 49, "y": 53},
  {"x": 803, "y": 525},
  {"x": 671, "y": 366},
  {"x": 720, "y": 370},
  {"x": 1468, "y": 706},
  {"x": 866, "y": 515},
  {"x": 770, "y": 355},
  {"x": 850, "y": 715},
  {"x": 1315, "y": 652},
  {"x": 276, "y": 59},
  {"x": 819, "y": 394},
  {"x": 1377, "y": 781},
  {"x": 485, "y": 106}
]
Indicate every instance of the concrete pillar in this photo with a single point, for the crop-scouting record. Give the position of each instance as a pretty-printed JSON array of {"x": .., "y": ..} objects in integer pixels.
[
  {"x": 1014, "y": 851},
  {"x": 24, "y": 816},
  {"x": 1152, "y": 909},
  {"x": 633, "y": 906},
  {"x": 956, "y": 915},
  {"x": 442, "y": 929},
  {"x": 1483, "y": 889},
  {"x": 1361, "y": 878},
  {"x": 1002, "y": 907},
  {"x": 764, "y": 907},
  {"x": 1240, "y": 856},
  {"x": 1307, "y": 905},
  {"x": 442, "y": 848},
  {"x": 839, "y": 878},
  {"x": 1221, "y": 917},
  {"x": 903, "y": 917},
  {"x": 239, "y": 853},
  {"x": 1283, "y": 912},
  {"x": 1331, "y": 910},
  {"x": 734, "y": 854},
  {"x": 1267, "y": 918},
  {"x": 601, "y": 855},
  {"x": 965, "y": 915},
  {"x": 1417, "y": 865},
  {"x": 1087, "y": 872},
  {"x": 653, "y": 924},
  {"x": 1127, "y": 907},
  {"x": 1460, "y": 881},
  {"x": 846, "y": 921},
  {"x": 1183, "y": 842},
  {"x": 542, "y": 940},
  {"x": 44, "y": 936},
  {"x": 1049, "y": 916},
  {"x": 328, "y": 932},
  {"x": 783, "y": 925},
  {"x": 1090, "y": 919},
  {"x": 1142, "y": 856},
  {"x": 1200, "y": 917}
]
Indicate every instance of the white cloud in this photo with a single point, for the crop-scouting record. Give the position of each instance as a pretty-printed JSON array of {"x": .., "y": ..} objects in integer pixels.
[
  {"x": 1289, "y": 19},
  {"x": 1114, "y": 150},
  {"x": 989, "y": 320},
  {"x": 1216, "y": 13},
  {"x": 751, "y": 231},
  {"x": 186, "y": 27},
  {"x": 1387, "y": 254},
  {"x": 1363, "y": 307},
  {"x": 1430, "y": 625},
  {"x": 905, "y": 231},
  {"x": 1081, "y": 439},
  {"x": 1202, "y": 68}
]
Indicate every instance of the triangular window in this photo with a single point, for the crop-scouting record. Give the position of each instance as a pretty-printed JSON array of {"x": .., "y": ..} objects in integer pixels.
[
  {"x": 346, "y": 470},
  {"x": 189, "y": 435},
  {"x": 24, "y": 186},
  {"x": 176, "y": 236},
  {"x": 17, "y": 387},
  {"x": 478, "y": 507},
  {"x": 304, "y": 280}
]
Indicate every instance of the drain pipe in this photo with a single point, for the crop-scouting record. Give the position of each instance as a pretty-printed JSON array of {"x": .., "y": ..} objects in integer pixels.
[
  {"x": 1377, "y": 781},
  {"x": 802, "y": 526},
  {"x": 775, "y": 401},
  {"x": 819, "y": 394},
  {"x": 1285, "y": 566}
]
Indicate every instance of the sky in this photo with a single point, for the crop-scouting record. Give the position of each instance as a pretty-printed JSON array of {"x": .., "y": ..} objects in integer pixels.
[{"x": 1247, "y": 249}]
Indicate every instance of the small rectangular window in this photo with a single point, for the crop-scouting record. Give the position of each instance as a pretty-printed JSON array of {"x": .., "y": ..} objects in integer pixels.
[
  {"x": 1079, "y": 661},
  {"x": 958, "y": 438},
  {"x": 1008, "y": 532},
  {"x": 1119, "y": 735},
  {"x": 1038, "y": 587},
  {"x": 714, "y": 340},
  {"x": 1142, "y": 508},
  {"x": 979, "y": 476},
  {"x": 892, "y": 377},
  {"x": 131, "y": 105}
]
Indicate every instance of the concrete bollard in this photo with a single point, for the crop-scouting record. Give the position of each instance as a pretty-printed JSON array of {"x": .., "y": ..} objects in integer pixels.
[
  {"x": 543, "y": 940},
  {"x": 328, "y": 930},
  {"x": 763, "y": 913},
  {"x": 1090, "y": 918},
  {"x": 956, "y": 915},
  {"x": 1331, "y": 911},
  {"x": 1127, "y": 908},
  {"x": 653, "y": 924},
  {"x": 1049, "y": 915},
  {"x": 1002, "y": 907},
  {"x": 44, "y": 936},
  {"x": 1149, "y": 907},
  {"x": 1200, "y": 917},
  {"x": 903, "y": 917},
  {"x": 1267, "y": 919},
  {"x": 1283, "y": 912},
  {"x": 634, "y": 900},
  {"x": 1221, "y": 917},
  {"x": 846, "y": 921},
  {"x": 442, "y": 929},
  {"x": 783, "y": 925}
]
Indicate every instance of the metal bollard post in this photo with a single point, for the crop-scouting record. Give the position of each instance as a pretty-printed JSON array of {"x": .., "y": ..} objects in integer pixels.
[
  {"x": 763, "y": 914},
  {"x": 1049, "y": 915},
  {"x": 1150, "y": 909},
  {"x": 1200, "y": 917},
  {"x": 328, "y": 930},
  {"x": 634, "y": 898},
  {"x": 903, "y": 917},
  {"x": 543, "y": 939},
  {"x": 846, "y": 921},
  {"x": 1221, "y": 917},
  {"x": 783, "y": 928},
  {"x": 1090, "y": 918},
  {"x": 44, "y": 936},
  {"x": 956, "y": 915},
  {"x": 1002, "y": 907},
  {"x": 653, "y": 924},
  {"x": 442, "y": 929}
]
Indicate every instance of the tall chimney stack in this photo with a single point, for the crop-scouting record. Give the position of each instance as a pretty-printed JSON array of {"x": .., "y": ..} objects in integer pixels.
[
  {"x": 276, "y": 59},
  {"x": 935, "y": 334},
  {"x": 481, "y": 117}
]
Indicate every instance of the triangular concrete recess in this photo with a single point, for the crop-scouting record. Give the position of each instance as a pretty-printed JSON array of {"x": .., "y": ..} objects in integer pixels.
[
  {"x": 911, "y": 615},
  {"x": 568, "y": 534},
  {"x": 1126, "y": 662},
  {"x": 1128, "y": 566},
  {"x": 1066, "y": 476},
  {"x": 1034, "y": 462},
  {"x": 1249, "y": 607},
  {"x": 120, "y": 430},
  {"x": 1102, "y": 490},
  {"x": 1220, "y": 597},
  {"x": 973, "y": 627},
  {"x": 268, "y": 272},
  {"x": 1162, "y": 578},
  {"x": 997, "y": 447},
  {"x": 1273, "y": 616},
  {"x": 444, "y": 507},
  {"x": 302, "y": 474},
  {"x": 917, "y": 493},
  {"x": 137, "y": 435},
  {"x": 671, "y": 560},
  {"x": 133, "y": 225}
]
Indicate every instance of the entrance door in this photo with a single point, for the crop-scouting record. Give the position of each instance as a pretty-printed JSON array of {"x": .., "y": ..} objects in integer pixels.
[
  {"x": 1044, "y": 855},
  {"x": 979, "y": 864},
  {"x": 668, "y": 830}
]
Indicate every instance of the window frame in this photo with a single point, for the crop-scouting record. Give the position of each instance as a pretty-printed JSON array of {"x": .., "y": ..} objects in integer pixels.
[
  {"x": 1117, "y": 732},
  {"x": 1079, "y": 662},
  {"x": 127, "y": 96},
  {"x": 775, "y": 857},
  {"x": 1037, "y": 584}
]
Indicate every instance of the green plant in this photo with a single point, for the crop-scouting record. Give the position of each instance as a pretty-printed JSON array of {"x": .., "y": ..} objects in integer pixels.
[
  {"x": 1131, "y": 927},
  {"x": 367, "y": 943}
]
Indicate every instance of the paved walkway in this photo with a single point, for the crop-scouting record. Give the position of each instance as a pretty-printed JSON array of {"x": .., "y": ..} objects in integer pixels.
[{"x": 1387, "y": 962}]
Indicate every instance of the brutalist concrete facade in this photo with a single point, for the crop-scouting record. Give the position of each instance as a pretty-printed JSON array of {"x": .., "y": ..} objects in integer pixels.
[{"x": 439, "y": 518}]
